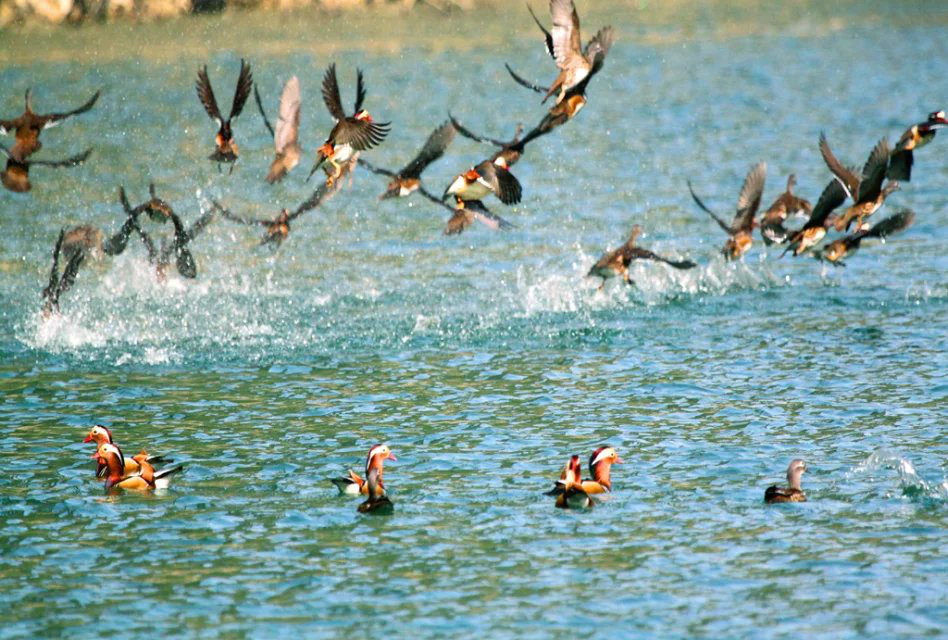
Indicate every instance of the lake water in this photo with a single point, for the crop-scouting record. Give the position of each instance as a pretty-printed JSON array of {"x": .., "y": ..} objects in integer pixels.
[{"x": 483, "y": 360}]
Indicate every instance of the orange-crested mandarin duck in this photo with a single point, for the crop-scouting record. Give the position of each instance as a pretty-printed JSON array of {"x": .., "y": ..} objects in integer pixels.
[
  {"x": 600, "y": 467},
  {"x": 27, "y": 127},
  {"x": 835, "y": 251},
  {"x": 792, "y": 493},
  {"x": 225, "y": 148},
  {"x": 564, "y": 44},
  {"x": 748, "y": 201},
  {"x": 915, "y": 137},
  {"x": 569, "y": 488},
  {"x": 377, "y": 503},
  {"x": 352, "y": 484},
  {"x": 814, "y": 229},
  {"x": 787, "y": 204},
  {"x": 100, "y": 434},
  {"x": 866, "y": 190},
  {"x": 286, "y": 135},
  {"x": 350, "y": 134},
  {"x": 147, "y": 479},
  {"x": 16, "y": 174},
  {"x": 484, "y": 179},
  {"x": 616, "y": 262},
  {"x": 407, "y": 180}
]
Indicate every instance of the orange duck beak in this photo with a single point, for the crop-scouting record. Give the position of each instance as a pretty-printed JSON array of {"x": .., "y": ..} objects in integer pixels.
[{"x": 88, "y": 438}]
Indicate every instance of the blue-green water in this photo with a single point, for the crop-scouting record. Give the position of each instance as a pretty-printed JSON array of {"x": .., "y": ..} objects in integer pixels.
[{"x": 483, "y": 360}]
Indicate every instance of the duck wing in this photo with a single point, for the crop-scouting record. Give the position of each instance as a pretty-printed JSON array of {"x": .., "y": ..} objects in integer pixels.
[
  {"x": 288, "y": 122},
  {"x": 330, "y": 91},
  {"x": 717, "y": 218},
  {"x": 748, "y": 201},
  {"x": 873, "y": 173},
  {"x": 434, "y": 148},
  {"x": 847, "y": 178},
  {"x": 242, "y": 92},
  {"x": 206, "y": 96}
]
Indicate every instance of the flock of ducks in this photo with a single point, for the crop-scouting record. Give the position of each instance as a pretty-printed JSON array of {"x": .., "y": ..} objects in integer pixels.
[
  {"x": 352, "y": 134},
  {"x": 464, "y": 197},
  {"x": 571, "y": 490}
]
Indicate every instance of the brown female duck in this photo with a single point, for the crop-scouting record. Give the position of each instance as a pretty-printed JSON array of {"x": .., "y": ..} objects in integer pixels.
[
  {"x": 791, "y": 493},
  {"x": 286, "y": 136},
  {"x": 835, "y": 251},
  {"x": 27, "y": 127},
  {"x": 864, "y": 190},
  {"x": 616, "y": 262},
  {"x": 787, "y": 204},
  {"x": 748, "y": 201},
  {"x": 407, "y": 180}
]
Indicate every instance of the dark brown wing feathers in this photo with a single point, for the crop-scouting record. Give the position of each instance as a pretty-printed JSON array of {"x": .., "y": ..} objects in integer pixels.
[{"x": 206, "y": 95}]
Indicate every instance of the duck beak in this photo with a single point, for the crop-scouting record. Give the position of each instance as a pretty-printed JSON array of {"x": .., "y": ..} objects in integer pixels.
[
  {"x": 95, "y": 455},
  {"x": 391, "y": 456},
  {"x": 619, "y": 460},
  {"x": 88, "y": 438}
]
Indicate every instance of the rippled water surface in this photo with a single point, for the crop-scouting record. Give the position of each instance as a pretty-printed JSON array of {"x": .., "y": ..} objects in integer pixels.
[{"x": 484, "y": 360}]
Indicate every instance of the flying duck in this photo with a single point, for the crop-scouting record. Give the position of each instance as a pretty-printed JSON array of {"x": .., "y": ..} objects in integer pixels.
[
  {"x": 616, "y": 262},
  {"x": 814, "y": 229},
  {"x": 27, "y": 127},
  {"x": 286, "y": 136},
  {"x": 59, "y": 284},
  {"x": 915, "y": 137},
  {"x": 508, "y": 152},
  {"x": 407, "y": 180},
  {"x": 350, "y": 134},
  {"x": 838, "y": 249},
  {"x": 564, "y": 44},
  {"x": 748, "y": 202},
  {"x": 16, "y": 175},
  {"x": 792, "y": 493},
  {"x": 486, "y": 178},
  {"x": 277, "y": 229},
  {"x": 225, "y": 148},
  {"x": 865, "y": 191},
  {"x": 786, "y": 205},
  {"x": 160, "y": 211}
]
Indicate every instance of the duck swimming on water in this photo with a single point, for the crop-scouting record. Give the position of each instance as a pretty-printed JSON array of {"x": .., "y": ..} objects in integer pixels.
[{"x": 791, "y": 493}]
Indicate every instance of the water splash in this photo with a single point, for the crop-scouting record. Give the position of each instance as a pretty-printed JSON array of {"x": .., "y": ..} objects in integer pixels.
[{"x": 911, "y": 484}]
